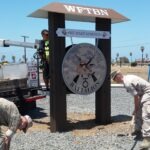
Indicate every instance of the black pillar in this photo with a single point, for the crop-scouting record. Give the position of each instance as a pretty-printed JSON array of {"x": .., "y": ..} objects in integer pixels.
[
  {"x": 103, "y": 95},
  {"x": 57, "y": 86}
]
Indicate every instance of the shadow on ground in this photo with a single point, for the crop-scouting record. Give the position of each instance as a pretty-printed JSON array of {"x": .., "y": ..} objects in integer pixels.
[
  {"x": 37, "y": 113},
  {"x": 121, "y": 118},
  {"x": 80, "y": 123},
  {"x": 91, "y": 123}
]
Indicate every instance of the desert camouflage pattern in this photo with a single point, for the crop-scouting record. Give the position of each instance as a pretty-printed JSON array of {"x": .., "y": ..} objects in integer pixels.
[
  {"x": 9, "y": 116},
  {"x": 138, "y": 86}
]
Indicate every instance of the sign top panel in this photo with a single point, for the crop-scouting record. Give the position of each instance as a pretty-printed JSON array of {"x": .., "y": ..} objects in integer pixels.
[{"x": 74, "y": 12}]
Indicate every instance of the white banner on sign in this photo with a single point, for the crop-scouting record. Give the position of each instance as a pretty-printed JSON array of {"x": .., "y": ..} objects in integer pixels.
[
  {"x": 61, "y": 32},
  {"x": 32, "y": 75}
]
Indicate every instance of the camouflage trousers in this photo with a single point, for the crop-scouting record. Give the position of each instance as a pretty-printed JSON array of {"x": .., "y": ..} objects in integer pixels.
[
  {"x": 142, "y": 119},
  {"x": 2, "y": 144}
]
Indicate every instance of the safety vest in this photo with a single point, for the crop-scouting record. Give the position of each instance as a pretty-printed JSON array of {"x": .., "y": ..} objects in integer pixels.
[{"x": 47, "y": 50}]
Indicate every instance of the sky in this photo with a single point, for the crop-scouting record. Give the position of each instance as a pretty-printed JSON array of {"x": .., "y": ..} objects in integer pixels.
[{"x": 126, "y": 37}]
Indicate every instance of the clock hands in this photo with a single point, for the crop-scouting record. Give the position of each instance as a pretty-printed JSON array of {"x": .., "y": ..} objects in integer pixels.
[
  {"x": 83, "y": 68},
  {"x": 89, "y": 61},
  {"x": 78, "y": 58},
  {"x": 93, "y": 76},
  {"x": 76, "y": 78},
  {"x": 84, "y": 64}
]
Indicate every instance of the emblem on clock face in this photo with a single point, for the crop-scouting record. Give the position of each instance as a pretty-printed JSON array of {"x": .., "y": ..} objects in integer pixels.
[{"x": 84, "y": 68}]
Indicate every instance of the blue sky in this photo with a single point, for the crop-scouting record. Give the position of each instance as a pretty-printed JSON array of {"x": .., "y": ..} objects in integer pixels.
[{"x": 126, "y": 37}]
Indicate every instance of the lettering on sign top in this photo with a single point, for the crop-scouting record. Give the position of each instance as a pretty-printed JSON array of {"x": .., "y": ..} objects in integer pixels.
[{"x": 86, "y": 10}]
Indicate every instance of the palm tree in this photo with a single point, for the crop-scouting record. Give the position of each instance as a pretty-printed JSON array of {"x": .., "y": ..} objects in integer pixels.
[
  {"x": 117, "y": 56},
  {"x": 142, "y": 50},
  {"x": 146, "y": 56},
  {"x": 131, "y": 56},
  {"x": 3, "y": 58},
  {"x": 13, "y": 59},
  {"x": 20, "y": 60},
  {"x": 24, "y": 58}
]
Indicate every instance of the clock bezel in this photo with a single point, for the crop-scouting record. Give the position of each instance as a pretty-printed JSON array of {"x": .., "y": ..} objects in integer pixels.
[{"x": 78, "y": 47}]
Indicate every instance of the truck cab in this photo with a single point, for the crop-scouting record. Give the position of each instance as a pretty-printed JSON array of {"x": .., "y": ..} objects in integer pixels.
[{"x": 19, "y": 83}]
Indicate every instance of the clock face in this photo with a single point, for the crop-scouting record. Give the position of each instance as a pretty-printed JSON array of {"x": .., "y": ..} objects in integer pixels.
[{"x": 84, "y": 68}]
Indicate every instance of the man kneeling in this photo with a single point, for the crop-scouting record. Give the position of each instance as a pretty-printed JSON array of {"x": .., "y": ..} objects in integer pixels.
[{"x": 11, "y": 118}]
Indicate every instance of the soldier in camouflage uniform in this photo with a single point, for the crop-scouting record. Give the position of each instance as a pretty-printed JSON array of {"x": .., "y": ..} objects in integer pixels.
[
  {"x": 11, "y": 118},
  {"x": 140, "y": 89}
]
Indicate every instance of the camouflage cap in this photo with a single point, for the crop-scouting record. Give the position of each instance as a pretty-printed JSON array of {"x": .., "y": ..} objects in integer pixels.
[{"x": 114, "y": 73}]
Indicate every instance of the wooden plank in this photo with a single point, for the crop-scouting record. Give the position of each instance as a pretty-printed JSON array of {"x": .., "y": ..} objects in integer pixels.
[
  {"x": 117, "y": 86},
  {"x": 57, "y": 86},
  {"x": 103, "y": 95}
]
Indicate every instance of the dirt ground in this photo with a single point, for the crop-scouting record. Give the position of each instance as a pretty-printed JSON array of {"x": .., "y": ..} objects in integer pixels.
[
  {"x": 84, "y": 124},
  {"x": 141, "y": 71}
]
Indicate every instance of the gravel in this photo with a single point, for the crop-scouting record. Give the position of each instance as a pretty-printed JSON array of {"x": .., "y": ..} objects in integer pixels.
[{"x": 102, "y": 139}]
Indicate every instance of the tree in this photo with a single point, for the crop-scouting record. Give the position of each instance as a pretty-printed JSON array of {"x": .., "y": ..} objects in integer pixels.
[
  {"x": 124, "y": 60},
  {"x": 117, "y": 56},
  {"x": 20, "y": 60},
  {"x": 13, "y": 59},
  {"x": 142, "y": 50},
  {"x": 23, "y": 56},
  {"x": 3, "y": 58},
  {"x": 146, "y": 58},
  {"x": 131, "y": 57}
]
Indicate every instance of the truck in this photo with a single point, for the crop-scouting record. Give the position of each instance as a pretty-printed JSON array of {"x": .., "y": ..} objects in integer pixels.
[{"x": 19, "y": 83}]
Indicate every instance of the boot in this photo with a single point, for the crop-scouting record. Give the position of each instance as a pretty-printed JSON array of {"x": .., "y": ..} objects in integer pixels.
[
  {"x": 136, "y": 133},
  {"x": 145, "y": 143}
]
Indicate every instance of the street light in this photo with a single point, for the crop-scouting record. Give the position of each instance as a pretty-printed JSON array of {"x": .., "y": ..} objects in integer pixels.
[
  {"x": 117, "y": 56},
  {"x": 131, "y": 58},
  {"x": 25, "y": 56},
  {"x": 146, "y": 57},
  {"x": 142, "y": 50}
]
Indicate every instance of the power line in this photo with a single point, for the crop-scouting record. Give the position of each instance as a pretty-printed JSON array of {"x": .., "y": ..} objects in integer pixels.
[{"x": 132, "y": 45}]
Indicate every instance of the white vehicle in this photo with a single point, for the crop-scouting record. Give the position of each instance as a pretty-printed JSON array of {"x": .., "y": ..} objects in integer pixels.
[{"x": 20, "y": 82}]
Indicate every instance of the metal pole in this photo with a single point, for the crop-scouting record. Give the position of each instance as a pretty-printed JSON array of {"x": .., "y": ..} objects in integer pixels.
[
  {"x": 7, "y": 43},
  {"x": 25, "y": 55},
  {"x": 142, "y": 58},
  {"x": 142, "y": 50},
  {"x": 131, "y": 59},
  {"x": 38, "y": 71}
]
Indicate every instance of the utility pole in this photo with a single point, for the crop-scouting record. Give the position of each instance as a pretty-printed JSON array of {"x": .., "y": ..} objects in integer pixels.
[
  {"x": 25, "y": 56},
  {"x": 142, "y": 50},
  {"x": 131, "y": 58}
]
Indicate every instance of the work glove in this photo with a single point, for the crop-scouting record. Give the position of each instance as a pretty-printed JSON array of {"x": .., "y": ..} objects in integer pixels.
[{"x": 6, "y": 141}]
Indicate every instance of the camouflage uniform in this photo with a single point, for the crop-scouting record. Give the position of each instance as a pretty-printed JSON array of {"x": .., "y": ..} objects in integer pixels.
[
  {"x": 9, "y": 116},
  {"x": 138, "y": 86}
]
